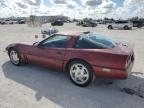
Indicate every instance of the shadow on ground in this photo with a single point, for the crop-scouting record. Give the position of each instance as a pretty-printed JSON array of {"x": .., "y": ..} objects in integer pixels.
[{"x": 56, "y": 87}]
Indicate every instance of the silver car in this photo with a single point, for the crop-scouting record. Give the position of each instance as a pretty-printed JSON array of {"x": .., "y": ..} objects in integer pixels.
[{"x": 120, "y": 25}]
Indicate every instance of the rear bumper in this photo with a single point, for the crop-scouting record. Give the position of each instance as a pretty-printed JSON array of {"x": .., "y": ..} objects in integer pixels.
[{"x": 112, "y": 73}]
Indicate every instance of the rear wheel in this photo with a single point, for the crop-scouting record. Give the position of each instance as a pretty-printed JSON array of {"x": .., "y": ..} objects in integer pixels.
[
  {"x": 93, "y": 25},
  {"x": 80, "y": 73},
  {"x": 126, "y": 27},
  {"x": 15, "y": 57},
  {"x": 110, "y": 27},
  {"x": 139, "y": 26}
]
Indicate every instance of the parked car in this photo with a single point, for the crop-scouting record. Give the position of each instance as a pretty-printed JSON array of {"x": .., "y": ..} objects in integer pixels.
[
  {"x": 49, "y": 31},
  {"x": 89, "y": 24},
  {"x": 120, "y": 25},
  {"x": 21, "y": 21},
  {"x": 86, "y": 23},
  {"x": 68, "y": 21},
  {"x": 85, "y": 56},
  {"x": 57, "y": 23},
  {"x": 15, "y": 22},
  {"x": 138, "y": 24},
  {"x": 9, "y": 21},
  {"x": 3, "y": 22},
  {"x": 79, "y": 23}
]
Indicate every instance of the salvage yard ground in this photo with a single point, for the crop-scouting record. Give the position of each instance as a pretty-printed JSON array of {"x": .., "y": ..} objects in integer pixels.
[{"x": 33, "y": 86}]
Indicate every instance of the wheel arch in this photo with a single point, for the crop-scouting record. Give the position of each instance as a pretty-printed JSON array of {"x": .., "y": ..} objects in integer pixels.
[
  {"x": 23, "y": 57},
  {"x": 10, "y": 48},
  {"x": 109, "y": 25},
  {"x": 76, "y": 59},
  {"x": 125, "y": 26},
  {"x": 93, "y": 75}
]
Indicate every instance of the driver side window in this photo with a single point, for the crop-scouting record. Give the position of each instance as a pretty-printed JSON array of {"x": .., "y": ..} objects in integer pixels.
[{"x": 56, "y": 41}]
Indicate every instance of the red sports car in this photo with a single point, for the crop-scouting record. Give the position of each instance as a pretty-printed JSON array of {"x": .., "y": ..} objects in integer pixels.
[{"x": 85, "y": 56}]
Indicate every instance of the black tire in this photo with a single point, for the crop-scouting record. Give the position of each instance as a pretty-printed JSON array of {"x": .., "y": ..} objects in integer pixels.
[
  {"x": 139, "y": 26},
  {"x": 19, "y": 61},
  {"x": 126, "y": 28},
  {"x": 52, "y": 24},
  {"x": 93, "y": 25},
  {"x": 83, "y": 25},
  {"x": 62, "y": 24},
  {"x": 90, "y": 73},
  {"x": 110, "y": 27}
]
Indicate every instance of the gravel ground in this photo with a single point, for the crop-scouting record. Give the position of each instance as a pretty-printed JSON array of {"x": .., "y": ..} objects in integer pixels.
[{"x": 33, "y": 86}]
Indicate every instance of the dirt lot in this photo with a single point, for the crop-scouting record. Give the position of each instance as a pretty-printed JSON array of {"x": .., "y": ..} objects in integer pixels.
[{"x": 32, "y": 86}]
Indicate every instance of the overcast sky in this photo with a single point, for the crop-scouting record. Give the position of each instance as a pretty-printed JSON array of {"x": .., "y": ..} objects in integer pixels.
[{"x": 73, "y": 8}]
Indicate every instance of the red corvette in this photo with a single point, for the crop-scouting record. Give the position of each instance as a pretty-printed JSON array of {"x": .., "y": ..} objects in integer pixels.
[{"x": 84, "y": 56}]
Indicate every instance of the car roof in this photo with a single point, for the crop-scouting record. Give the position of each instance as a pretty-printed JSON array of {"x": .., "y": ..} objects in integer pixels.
[{"x": 72, "y": 33}]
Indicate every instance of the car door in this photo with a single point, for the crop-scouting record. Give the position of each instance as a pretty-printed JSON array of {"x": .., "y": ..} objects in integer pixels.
[
  {"x": 50, "y": 52},
  {"x": 116, "y": 25},
  {"x": 121, "y": 24}
]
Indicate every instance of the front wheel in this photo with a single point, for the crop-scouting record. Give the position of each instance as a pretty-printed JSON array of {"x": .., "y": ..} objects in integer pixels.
[
  {"x": 15, "y": 57},
  {"x": 80, "y": 73}
]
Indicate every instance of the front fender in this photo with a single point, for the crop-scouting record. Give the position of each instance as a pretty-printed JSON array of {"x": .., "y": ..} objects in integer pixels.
[{"x": 13, "y": 45}]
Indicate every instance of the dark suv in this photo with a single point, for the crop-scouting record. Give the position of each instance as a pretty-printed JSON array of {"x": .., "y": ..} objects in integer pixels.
[
  {"x": 138, "y": 24},
  {"x": 57, "y": 23}
]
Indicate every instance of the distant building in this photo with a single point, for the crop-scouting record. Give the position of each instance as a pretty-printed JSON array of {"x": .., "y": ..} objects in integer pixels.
[{"x": 37, "y": 21}]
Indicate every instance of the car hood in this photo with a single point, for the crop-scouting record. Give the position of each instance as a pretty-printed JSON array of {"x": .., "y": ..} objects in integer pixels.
[{"x": 30, "y": 43}]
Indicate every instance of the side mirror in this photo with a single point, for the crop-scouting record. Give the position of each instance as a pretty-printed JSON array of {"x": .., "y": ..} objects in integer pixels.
[{"x": 35, "y": 43}]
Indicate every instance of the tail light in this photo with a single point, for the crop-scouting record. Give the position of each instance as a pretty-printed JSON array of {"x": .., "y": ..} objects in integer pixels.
[{"x": 129, "y": 59}]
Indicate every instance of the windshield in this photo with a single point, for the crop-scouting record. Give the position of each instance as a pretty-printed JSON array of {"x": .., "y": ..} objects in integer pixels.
[{"x": 99, "y": 40}]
